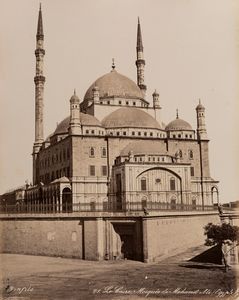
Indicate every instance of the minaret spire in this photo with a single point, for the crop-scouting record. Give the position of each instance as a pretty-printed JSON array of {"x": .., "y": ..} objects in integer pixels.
[
  {"x": 113, "y": 64},
  {"x": 140, "y": 62},
  {"x": 40, "y": 24},
  {"x": 39, "y": 80},
  {"x": 139, "y": 38}
]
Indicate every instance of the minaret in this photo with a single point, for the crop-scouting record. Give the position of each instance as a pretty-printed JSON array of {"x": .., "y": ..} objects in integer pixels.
[
  {"x": 96, "y": 94},
  {"x": 75, "y": 126},
  {"x": 156, "y": 99},
  {"x": 140, "y": 62},
  {"x": 201, "y": 124},
  {"x": 39, "y": 80},
  {"x": 156, "y": 106}
]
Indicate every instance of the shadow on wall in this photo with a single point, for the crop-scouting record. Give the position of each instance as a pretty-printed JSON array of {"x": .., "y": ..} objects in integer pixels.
[{"x": 212, "y": 255}]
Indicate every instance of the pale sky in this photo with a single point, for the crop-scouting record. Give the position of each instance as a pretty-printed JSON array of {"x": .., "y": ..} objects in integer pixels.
[{"x": 191, "y": 50}]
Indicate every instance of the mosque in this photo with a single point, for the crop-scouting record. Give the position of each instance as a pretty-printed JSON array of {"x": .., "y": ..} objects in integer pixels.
[
  {"x": 114, "y": 152},
  {"x": 112, "y": 181}
]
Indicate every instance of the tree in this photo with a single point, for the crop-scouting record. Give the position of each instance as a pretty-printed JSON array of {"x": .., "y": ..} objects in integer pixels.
[{"x": 222, "y": 235}]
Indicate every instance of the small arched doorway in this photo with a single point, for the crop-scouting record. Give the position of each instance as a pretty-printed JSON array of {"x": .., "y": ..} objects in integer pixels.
[
  {"x": 215, "y": 195},
  {"x": 66, "y": 200}
]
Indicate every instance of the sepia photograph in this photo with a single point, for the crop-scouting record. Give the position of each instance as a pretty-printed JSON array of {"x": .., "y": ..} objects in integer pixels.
[{"x": 119, "y": 149}]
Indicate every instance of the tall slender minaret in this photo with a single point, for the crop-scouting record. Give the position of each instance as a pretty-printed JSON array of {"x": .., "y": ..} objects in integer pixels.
[
  {"x": 140, "y": 62},
  {"x": 39, "y": 80},
  {"x": 201, "y": 124},
  {"x": 75, "y": 126}
]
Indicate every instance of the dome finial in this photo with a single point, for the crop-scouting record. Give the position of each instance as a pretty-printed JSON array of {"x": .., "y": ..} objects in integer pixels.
[
  {"x": 113, "y": 64},
  {"x": 177, "y": 113},
  {"x": 199, "y": 101},
  {"x": 74, "y": 92}
]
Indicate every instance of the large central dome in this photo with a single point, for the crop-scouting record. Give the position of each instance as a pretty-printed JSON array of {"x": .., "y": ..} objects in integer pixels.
[{"x": 114, "y": 84}]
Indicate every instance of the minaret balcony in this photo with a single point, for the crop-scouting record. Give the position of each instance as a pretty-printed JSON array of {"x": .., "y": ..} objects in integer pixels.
[
  {"x": 140, "y": 62},
  {"x": 39, "y": 79},
  {"x": 39, "y": 51},
  {"x": 40, "y": 36}
]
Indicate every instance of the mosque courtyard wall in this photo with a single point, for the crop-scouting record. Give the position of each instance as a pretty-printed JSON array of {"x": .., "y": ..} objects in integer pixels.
[{"x": 104, "y": 235}]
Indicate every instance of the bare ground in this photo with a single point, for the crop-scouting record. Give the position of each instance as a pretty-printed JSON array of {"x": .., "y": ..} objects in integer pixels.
[{"x": 43, "y": 278}]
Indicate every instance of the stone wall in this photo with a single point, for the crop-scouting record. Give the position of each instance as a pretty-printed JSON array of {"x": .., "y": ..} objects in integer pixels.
[
  {"x": 168, "y": 235},
  {"x": 42, "y": 237},
  {"x": 155, "y": 236}
]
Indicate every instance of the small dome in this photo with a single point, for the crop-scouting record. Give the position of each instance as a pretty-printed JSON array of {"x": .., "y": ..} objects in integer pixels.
[
  {"x": 155, "y": 93},
  {"x": 144, "y": 147},
  {"x": 178, "y": 124},
  {"x": 130, "y": 117},
  {"x": 85, "y": 119},
  {"x": 200, "y": 106},
  {"x": 74, "y": 98},
  {"x": 114, "y": 84}
]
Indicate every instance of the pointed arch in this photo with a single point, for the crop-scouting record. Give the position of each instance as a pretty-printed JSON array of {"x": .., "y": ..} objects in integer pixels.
[{"x": 214, "y": 195}]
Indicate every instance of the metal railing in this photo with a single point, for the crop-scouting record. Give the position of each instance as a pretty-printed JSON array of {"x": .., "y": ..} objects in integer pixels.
[{"x": 28, "y": 208}]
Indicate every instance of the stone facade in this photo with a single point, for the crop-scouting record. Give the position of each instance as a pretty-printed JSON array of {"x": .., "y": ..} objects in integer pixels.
[{"x": 114, "y": 114}]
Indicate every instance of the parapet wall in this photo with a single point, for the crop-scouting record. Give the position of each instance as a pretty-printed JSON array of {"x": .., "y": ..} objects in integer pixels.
[{"x": 90, "y": 238}]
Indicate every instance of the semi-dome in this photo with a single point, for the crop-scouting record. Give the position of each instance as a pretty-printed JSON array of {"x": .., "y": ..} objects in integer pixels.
[
  {"x": 126, "y": 117},
  {"x": 178, "y": 124},
  {"x": 144, "y": 148},
  {"x": 85, "y": 119},
  {"x": 114, "y": 84}
]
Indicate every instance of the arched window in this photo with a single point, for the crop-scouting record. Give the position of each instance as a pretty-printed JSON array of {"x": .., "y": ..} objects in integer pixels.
[
  {"x": 190, "y": 154},
  {"x": 92, "y": 152},
  {"x": 66, "y": 200},
  {"x": 180, "y": 153},
  {"x": 215, "y": 195},
  {"x": 172, "y": 184},
  {"x": 143, "y": 184},
  {"x": 103, "y": 152}
]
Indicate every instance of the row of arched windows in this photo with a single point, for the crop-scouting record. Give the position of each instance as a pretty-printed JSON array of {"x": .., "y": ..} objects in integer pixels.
[
  {"x": 190, "y": 154},
  {"x": 57, "y": 157},
  {"x": 138, "y": 133},
  {"x": 187, "y": 136},
  {"x": 122, "y": 102},
  {"x": 92, "y": 152}
]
